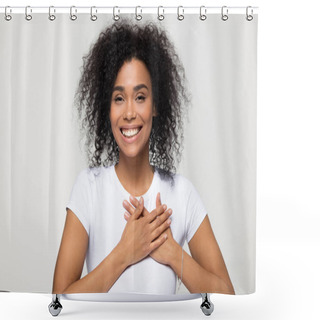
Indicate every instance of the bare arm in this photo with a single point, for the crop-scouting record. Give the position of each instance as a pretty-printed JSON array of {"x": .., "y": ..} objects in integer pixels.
[
  {"x": 205, "y": 271},
  {"x": 74, "y": 245},
  {"x": 71, "y": 258}
]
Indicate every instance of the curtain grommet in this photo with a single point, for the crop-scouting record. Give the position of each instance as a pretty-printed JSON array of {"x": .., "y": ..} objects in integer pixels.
[
  {"x": 116, "y": 17},
  {"x": 203, "y": 13},
  {"x": 52, "y": 17},
  {"x": 180, "y": 13},
  {"x": 7, "y": 16},
  {"x": 249, "y": 17},
  {"x": 73, "y": 16},
  {"x": 138, "y": 16},
  {"x": 224, "y": 13},
  {"x": 93, "y": 17},
  {"x": 28, "y": 16},
  {"x": 160, "y": 16}
]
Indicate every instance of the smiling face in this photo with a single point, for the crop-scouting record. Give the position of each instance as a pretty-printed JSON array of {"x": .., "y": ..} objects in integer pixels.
[{"x": 131, "y": 108}]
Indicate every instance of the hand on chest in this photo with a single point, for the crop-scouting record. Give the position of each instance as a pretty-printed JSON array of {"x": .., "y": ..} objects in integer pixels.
[{"x": 109, "y": 219}]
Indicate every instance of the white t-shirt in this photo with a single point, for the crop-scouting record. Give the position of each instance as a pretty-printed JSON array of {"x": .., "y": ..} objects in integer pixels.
[{"x": 96, "y": 199}]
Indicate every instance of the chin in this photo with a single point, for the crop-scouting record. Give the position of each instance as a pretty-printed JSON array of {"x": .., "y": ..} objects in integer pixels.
[{"x": 130, "y": 153}]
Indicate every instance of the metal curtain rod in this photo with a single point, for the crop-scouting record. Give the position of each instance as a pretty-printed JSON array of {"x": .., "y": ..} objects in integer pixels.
[
  {"x": 124, "y": 9},
  {"x": 129, "y": 7},
  {"x": 181, "y": 11}
]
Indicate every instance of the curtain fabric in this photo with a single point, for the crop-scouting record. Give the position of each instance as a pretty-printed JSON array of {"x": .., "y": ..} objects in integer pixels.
[{"x": 42, "y": 153}]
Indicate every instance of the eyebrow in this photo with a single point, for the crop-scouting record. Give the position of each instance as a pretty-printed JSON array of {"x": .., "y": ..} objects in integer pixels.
[{"x": 136, "y": 88}]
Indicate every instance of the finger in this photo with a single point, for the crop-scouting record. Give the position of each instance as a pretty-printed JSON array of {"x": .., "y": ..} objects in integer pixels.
[
  {"x": 161, "y": 219},
  {"x": 158, "y": 200},
  {"x": 156, "y": 212},
  {"x": 128, "y": 207},
  {"x": 135, "y": 203},
  {"x": 158, "y": 242},
  {"x": 164, "y": 226},
  {"x": 138, "y": 211},
  {"x": 127, "y": 216}
]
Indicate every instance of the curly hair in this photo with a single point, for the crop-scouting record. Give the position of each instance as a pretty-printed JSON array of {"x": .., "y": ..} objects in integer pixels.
[{"x": 119, "y": 43}]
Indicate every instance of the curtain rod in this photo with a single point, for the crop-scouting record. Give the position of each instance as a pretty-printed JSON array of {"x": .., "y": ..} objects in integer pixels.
[{"x": 125, "y": 9}]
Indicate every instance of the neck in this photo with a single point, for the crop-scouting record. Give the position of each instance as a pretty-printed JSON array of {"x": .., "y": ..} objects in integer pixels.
[{"x": 135, "y": 174}]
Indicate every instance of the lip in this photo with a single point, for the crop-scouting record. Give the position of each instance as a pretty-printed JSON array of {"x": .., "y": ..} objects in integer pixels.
[
  {"x": 130, "y": 127},
  {"x": 132, "y": 139}
]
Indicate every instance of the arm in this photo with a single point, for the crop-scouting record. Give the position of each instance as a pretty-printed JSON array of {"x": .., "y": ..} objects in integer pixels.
[
  {"x": 74, "y": 246},
  {"x": 204, "y": 270},
  {"x": 71, "y": 258}
]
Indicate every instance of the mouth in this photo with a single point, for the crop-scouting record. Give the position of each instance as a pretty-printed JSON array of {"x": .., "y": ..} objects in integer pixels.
[{"x": 130, "y": 133}]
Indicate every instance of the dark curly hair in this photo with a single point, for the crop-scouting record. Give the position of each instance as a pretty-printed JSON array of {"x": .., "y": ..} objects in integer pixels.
[{"x": 119, "y": 43}]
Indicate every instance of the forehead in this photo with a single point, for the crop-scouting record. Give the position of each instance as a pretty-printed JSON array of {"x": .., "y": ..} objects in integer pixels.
[{"x": 133, "y": 72}]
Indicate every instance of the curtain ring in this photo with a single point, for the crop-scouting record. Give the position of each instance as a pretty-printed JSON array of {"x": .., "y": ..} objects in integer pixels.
[
  {"x": 93, "y": 17},
  {"x": 52, "y": 16},
  {"x": 7, "y": 16},
  {"x": 224, "y": 13},
  {"x": 138, "y": 16},
  {"x": 73, "y": 17},
  {"x": 249, "y": 17},
  {"x": 160, "y": 16},
  {"x": 203, "y": 13},
  {"x": 116, "y": 17},
  {"x": 28, "y": 16},
  {"x": 180, "y": 15}
]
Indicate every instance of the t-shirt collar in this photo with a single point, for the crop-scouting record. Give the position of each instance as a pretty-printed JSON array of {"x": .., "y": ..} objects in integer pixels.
[{"x": 127, "y": 194}]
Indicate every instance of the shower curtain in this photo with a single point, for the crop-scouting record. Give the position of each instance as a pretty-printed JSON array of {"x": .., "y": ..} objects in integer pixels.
[{"x": 43, "y": 150}]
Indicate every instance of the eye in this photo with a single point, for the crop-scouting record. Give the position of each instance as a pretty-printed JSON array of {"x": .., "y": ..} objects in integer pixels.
[
  {"x": 141, "y": 98},
  {"x": 118, "y": 99}
]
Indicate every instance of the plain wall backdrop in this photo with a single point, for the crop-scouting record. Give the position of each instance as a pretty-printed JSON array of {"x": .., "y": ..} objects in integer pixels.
[{"x": 288, "y": 208}]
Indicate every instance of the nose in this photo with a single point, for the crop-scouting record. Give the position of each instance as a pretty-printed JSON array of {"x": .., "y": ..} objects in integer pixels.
[{"x": 129, "y": 112}]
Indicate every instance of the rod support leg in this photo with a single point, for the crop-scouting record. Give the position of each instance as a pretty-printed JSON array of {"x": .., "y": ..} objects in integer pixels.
[
  {"x": 206, "y": 305},
  {"x": 55, "y": 306}
]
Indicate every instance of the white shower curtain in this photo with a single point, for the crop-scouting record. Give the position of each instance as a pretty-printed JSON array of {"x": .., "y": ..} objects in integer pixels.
[{"x": 41, "y": 153}]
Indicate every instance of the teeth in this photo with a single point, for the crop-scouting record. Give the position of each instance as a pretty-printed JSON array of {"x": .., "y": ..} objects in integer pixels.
[{"x": 130, "y": 133}]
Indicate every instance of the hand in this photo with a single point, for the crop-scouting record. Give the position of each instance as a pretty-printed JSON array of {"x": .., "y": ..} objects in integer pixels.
[
  {"x": 162, "y": 253},
  {"x": 143, "y": 234}
]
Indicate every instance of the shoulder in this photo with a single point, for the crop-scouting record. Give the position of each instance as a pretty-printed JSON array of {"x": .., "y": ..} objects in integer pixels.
[
  {"x": 180, "y": 182},
  {"x": 92, "y": 175}
]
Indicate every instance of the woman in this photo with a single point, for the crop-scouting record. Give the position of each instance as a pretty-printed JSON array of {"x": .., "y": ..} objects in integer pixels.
[{"x": 131, "y": 95}]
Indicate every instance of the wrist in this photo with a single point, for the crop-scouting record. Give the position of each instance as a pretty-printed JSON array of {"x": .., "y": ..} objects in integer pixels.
[
  {"x": 175, "y": 255},
  {"x": 120, "y": 254}
]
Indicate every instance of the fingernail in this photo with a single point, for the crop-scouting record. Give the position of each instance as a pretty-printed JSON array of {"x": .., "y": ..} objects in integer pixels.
[
  {"x": 164, "y": 207},
  {"x": 165, "y": 236},
  {"x": 169, "y": 211},
  {"x": 140, "y": 200},
  {"x": 168, "y": 221},
  {"x": 131, "y": 198}
]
